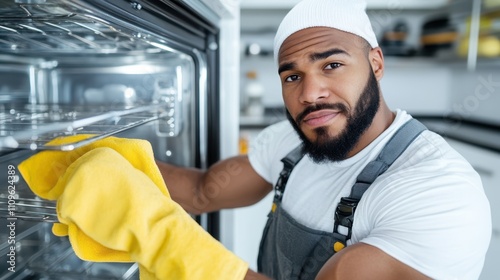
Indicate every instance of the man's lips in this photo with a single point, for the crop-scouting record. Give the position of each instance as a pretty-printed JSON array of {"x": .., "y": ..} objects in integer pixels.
[{"x": 320, "y": 118}]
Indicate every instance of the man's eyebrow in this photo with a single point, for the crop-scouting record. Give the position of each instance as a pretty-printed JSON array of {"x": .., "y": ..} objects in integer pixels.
[
  {"x": 313, "y": 57},
  {"x": 326, "y": 54},
  {"x": 286, "y": 67}
]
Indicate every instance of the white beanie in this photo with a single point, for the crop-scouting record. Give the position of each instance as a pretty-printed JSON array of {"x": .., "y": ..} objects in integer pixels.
[{"x": 345, "y": 15}]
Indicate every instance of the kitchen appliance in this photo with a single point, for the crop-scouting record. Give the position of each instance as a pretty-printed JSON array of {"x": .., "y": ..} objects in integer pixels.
[
  {"x": 438, "y": 33},
  {"x": 147, "y": 69},
  {"x": 394, "y": 41}
]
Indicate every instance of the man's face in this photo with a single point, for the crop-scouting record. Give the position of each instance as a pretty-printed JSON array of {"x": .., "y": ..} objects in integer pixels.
[{"x": 329, "y": 89}]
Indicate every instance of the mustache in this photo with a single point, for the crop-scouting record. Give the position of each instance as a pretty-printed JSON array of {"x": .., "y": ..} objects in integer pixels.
[{"x": 317, "y": 107}]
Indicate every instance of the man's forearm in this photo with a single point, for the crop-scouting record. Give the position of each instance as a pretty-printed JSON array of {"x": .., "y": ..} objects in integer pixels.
[
  {"x": 183, "y": 185},
  {"x": 229, "y": 183},
  {"x": 252, "y": 275}
]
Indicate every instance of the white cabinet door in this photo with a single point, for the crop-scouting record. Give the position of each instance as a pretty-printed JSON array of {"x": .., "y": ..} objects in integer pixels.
[{"x": 487, "y": 164}]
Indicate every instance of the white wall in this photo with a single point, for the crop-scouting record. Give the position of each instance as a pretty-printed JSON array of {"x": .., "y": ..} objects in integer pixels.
[
  {"x": 476, "y": 95},
  {"x": 421, "y": 88}
]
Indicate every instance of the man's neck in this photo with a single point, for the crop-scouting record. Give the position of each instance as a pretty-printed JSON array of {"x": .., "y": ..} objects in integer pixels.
[{"x": 382, "y": 120}]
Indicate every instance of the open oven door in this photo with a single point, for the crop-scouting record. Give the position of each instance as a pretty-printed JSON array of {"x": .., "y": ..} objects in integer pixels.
[{"x": 141, "y": 69}]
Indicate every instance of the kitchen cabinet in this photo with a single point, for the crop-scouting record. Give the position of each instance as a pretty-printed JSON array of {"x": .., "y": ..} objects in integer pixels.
[{"x": 487, "y": 164}]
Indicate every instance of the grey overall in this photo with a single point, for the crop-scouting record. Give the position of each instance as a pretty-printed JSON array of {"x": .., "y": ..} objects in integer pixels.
[{"x": 290, "y": 250}]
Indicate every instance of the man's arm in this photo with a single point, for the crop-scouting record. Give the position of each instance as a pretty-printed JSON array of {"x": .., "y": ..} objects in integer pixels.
[
  {"x": 363, "y": 261},
  {"x": 359, "y": 262},
  {"x": 229, "y": 183}
]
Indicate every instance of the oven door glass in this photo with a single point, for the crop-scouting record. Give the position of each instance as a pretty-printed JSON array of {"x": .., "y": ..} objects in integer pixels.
[{"x": 73, "y": 67}]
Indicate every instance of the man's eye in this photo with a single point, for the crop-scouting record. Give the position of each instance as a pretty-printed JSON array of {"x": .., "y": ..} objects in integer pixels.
[
  {"x": 291, "y": 78},
  {"x": 333, "y": 65}
]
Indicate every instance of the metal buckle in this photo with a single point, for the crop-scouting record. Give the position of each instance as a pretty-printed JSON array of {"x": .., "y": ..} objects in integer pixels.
[
  {"x": 280, "y": 185},
  {"x": 344, "y": 214}
]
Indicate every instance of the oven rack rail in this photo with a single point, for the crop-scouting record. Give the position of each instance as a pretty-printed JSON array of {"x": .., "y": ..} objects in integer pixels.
[
  {"x": 28, "y": 209},
  {"x": 65, "y": 28},
  {"x": 55, "y": 258},
  {"x": 35, "y": 127}
]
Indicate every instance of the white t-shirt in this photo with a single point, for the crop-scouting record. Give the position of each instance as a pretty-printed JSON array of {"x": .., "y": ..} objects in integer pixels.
[{"x": 428, "y": 210}]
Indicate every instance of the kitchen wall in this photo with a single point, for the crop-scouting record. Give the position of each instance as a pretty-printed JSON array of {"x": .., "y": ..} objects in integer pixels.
[
  {"x": 476, "y": 95},
  {"x": 411, "y": 86}
]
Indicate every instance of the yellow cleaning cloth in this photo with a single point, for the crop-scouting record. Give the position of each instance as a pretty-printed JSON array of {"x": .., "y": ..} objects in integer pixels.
[
  {"x": 43, "y": 171},
  {"x": 156, "y": 232}
]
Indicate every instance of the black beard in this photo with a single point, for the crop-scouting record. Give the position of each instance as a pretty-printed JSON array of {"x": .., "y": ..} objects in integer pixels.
[{"x": 325, "y": 148}]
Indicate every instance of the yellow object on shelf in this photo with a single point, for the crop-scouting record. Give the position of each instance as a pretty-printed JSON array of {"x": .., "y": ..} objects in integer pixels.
[
  {"x": 488, "y": 23},
  {"x": 488, "y": 46},
  {"x": 491, "y": 3}
]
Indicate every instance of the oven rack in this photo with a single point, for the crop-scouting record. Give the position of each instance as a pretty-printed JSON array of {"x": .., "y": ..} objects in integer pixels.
[
  {"x": 53, "y": 258},
  {"x": 33, "y": 126},
  {"x": 53, "y": 27},
  {"x": 28, "y": 209}
]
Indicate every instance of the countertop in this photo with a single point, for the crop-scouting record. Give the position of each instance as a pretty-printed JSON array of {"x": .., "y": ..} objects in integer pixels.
[{"x": 476, "y": 133}]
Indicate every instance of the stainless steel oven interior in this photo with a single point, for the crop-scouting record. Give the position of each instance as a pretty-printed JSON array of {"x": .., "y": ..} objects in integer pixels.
[{"x": 104, "y": 68}]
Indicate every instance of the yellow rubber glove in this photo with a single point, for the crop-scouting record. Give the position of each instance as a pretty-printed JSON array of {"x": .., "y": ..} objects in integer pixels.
[
  {"x": 43, "y": 171},
  {"x": 125, "y": 211}
]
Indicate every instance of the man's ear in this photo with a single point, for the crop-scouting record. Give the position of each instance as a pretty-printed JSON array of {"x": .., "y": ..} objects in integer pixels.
[{"x": 376, "y": 58}]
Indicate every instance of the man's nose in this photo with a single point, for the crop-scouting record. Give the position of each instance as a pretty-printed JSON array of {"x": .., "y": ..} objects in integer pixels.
[{"x": 313, "y": 90}]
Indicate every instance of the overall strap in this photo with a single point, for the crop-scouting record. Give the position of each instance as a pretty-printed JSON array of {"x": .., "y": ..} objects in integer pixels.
[
  {"x": 392, "y": 150},
  {"x": 344, "y": 215},
  {"x": 289, "y": 162}
]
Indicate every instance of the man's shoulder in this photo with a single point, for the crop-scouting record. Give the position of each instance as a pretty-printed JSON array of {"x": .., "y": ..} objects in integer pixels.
[
  {"x": 430, "y": 146},
  {"x": 432, "y": 159}
]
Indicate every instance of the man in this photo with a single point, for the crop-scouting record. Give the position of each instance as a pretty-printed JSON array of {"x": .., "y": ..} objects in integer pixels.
[
  {"x": 412, "y": 222},
  {"x": 425, "y": 217}
]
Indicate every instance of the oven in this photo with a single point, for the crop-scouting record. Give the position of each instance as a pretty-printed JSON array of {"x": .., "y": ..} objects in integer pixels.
[{"x": 148, "y": 69}]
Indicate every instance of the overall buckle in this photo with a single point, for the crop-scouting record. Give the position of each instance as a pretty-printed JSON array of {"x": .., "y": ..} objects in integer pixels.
[{"x": 344, "y": 215}]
